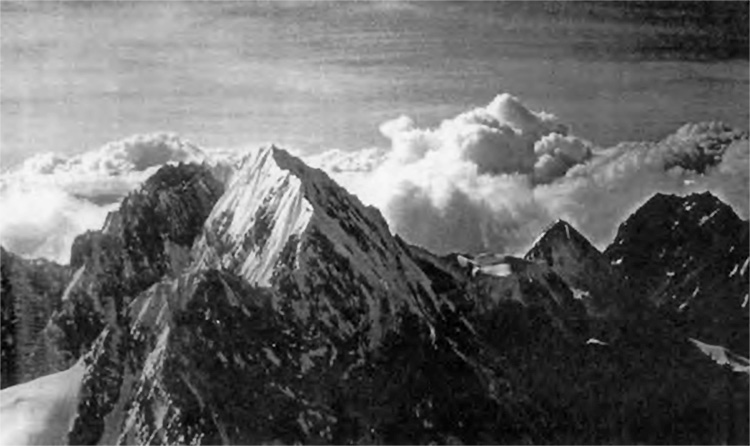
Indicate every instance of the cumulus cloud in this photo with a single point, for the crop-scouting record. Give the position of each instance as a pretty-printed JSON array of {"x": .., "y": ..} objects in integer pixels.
[
  {"x": 50, "y": 199},
  {"x": 489, "y": 179},
  {"x": 469, "y": 184},
  {"x": 44, "y": 221},
  {"x": 555, "y": 154},
  {"x": 109, "y": 172},
  {"x": 492, "y": 178},
  {"x": 599, "y": 194}
]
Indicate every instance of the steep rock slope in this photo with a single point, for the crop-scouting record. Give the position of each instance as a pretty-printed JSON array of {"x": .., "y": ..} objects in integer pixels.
[
  {"x": 689, "y": 257},
  {"x": 148, "y": 237},
  {"x": 31, "y": 291},
  {"x": 285, "y": 225},
  {"x": 583, "y": 268},
  {"x": 320, "y": 328},
  {"x": 228, "y": 367},
  {"x": 296, "y": 317},
  {"x": 590, "y": 380}
]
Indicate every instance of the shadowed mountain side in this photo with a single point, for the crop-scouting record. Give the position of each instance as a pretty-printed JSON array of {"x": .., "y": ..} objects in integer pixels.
[
  {"x": 147, "y": 238},
  {"x": 689, "y": 257},
  {"x": 282, "y": 310},
  {"x": 31, "y": 292}
]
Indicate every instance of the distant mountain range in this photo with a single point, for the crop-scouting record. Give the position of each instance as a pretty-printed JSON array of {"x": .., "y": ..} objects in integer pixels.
[{"x": 280, "y": 309}]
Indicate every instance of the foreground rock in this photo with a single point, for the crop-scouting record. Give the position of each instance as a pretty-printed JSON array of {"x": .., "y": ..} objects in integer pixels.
[{"x": 282, "y": 310}]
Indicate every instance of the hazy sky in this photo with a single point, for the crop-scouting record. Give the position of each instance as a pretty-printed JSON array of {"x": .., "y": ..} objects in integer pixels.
[{"x": 319, "y": 76}]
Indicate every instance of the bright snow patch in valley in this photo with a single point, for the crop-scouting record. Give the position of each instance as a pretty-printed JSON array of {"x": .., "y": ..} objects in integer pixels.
[
  {"x": 723, "y": 356},
  {"x": 579, "y": 294},
  {"x": 498, "y": 270}
]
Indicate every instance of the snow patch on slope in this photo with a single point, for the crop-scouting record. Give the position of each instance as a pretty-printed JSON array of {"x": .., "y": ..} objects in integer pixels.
[
  {"x": 279, "y": 214},
  {"x": 42, "y": 411},
  {"x": 723, "y": 356},
  {"x": 497, "y": 270},
  {"x": 250, "y": 224}
]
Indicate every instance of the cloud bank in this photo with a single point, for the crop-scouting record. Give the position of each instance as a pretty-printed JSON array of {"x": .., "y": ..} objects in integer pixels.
[
  {"x": 50, "y": 199},
  {"x": 489, "y": 179},
  {"x": 492, "y": 178}
]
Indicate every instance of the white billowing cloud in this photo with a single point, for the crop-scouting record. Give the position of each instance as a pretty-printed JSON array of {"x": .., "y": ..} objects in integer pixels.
[
  {"x": 555, "y": 154},
  {"x": 50, "y": 199},
  {"x": 107, "y": 173},
  {"x": 469, "y": 184},
  {"x": 44, "y": 221},
  {"x": 600, "y": 194},
  {"x": 489, "y": 179},
  {"x": 408, "y": 143},
  {"x": 731, "y": 177},
  {"x": 492, "y": 178},
  {"x": 498, "y": 138}
]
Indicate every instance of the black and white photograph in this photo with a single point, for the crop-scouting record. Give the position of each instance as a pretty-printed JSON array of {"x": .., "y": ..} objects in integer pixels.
[{"x": 374, "y": 222}]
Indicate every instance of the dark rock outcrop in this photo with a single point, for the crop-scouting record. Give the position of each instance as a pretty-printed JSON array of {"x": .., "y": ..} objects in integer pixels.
[
  {"x": 583, "y": 268},
  {"x": 688, "y": 256},
  {"x": 31, "y": 292},
  {"x": 150, "y": 236},
  {"x": 282, "y": 310}
]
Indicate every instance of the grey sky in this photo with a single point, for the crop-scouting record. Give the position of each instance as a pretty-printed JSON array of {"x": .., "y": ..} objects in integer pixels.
[{"x": 318, "y": 76}]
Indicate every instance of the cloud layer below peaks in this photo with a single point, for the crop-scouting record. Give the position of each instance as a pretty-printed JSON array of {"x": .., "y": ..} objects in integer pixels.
[
  {"x": 50, "y": 199},
  {"x": 489, "y": 179},
  {"x": 492, "y": 178}
]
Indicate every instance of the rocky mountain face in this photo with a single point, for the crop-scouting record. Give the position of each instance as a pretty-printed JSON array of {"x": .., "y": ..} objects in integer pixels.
[
  {"x": 282, "y": 310},
  {"x": 30, "y": 293},
  {"x": 585, "y": 270},
  {"x": 148, "y": 238},
  {"x": 689, "y": 258},
  {"x": 605, "y": 376}
]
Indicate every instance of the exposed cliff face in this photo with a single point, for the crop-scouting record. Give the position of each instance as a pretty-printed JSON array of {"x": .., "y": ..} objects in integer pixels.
[
  {"x": 689, "y": 256},
  {"x": 30, "y": 293},
  {"x": 596, "y": 379},
  {"x": 302, "y": 349},
  {"x": 147, "y": 238},
  {"x": 226, "y": 366},
  {"x": 283, "y": 310},
  {"x": 284, "y": 225}
]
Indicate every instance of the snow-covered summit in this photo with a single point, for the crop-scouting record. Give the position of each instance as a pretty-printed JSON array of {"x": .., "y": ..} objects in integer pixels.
[
  {"x": 261, "y": 209},
  {"x": 281, "y": 218}
]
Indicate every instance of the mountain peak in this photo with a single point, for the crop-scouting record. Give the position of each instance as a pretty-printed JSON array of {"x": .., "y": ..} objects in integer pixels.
[
  {"x": 678, "y": 252},
  {"x": 570, "y": 255},
  {"x": 263, "y": 207},
  {"x": 667, "y": 216},
  {"x": 148, "y": 237},
  {"x": 688, "y": 202},
  {"x": 285, "y": 160},
  {"x": 559, "y": 231},
  {"x": 561, "y": 224},
  {"x": 297, "y": 317},
  {"x": 282, "y": 223}
]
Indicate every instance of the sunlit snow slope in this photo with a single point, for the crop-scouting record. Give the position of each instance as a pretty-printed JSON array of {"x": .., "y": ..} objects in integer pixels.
[{"x": 41, "y": 411}]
